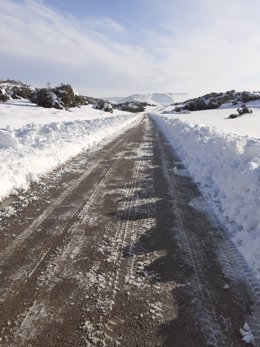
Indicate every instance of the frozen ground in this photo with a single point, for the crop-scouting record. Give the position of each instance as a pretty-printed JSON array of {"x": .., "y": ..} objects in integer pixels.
[
  {"x": 34, "y": 140},
  {"x": 223, "y": 157}
]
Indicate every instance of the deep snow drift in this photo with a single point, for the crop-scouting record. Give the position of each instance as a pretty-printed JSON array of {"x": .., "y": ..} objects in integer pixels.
[
  {"x": 30, "y": 151},
  {"x": 226, "y": 166}
]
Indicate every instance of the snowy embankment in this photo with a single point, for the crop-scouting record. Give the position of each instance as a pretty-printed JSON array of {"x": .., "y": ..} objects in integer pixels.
[
  {"x": 30, "y": 151},
  {"x": 226, "y": 167}
]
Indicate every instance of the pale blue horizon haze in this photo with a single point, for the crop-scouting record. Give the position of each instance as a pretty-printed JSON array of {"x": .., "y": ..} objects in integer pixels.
[{"x": 117, "y": 48}]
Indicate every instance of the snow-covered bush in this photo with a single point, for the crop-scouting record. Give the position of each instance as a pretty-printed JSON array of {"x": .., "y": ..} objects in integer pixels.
[
  {"x": 243, "y": 110},
  {"x": 59, "y": 97},
  {"x": 201, "y": 104},
  {"x": 103, "y": 106},
  {"x": 233, "y": 115},
  {"x": 247, "y": 96},
  {"x": 46, "y": 98},
  {"x": 215, "y": 100},
  {"x": 3, "y": 97},
  {"x": 67, "y": 96},
  {"x": 132, "y": 106},
  {"x": 240, "y": 111},
  {"x": 14, "y": 89},
  {"x": 23, "y": 91}
]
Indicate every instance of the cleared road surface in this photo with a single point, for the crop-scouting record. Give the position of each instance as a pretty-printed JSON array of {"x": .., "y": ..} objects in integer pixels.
[{"x": 119, "y": 249}]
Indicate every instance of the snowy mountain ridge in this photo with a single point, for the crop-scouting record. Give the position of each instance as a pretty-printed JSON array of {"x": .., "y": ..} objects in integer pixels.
[{"x": 153, "y": 98}]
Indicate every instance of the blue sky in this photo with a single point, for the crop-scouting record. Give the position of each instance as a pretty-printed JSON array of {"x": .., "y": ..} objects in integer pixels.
[{"x": 114, "y": 48}]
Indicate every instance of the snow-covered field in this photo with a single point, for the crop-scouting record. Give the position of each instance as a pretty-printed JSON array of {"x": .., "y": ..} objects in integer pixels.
[
  {"x": 34, "y": 140},
  {"x": 247, "y": 125},
  {"x": 223, "y": 157},
  {"x": 16, "y": 113}
]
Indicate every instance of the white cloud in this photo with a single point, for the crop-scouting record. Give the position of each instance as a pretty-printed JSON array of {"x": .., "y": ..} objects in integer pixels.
[
  {"x": 33, "y": 31},
  {"x": 105, "y": 23},
  {"x": 213, "y": 47},
  {"x": 220, "y": 52}
]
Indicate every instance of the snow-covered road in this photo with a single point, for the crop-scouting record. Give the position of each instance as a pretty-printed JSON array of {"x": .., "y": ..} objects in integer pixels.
[
  {"x": 116, "y": 250},
  {"x": 226, "y": 166},
  {"x": 38, "y": 140}
]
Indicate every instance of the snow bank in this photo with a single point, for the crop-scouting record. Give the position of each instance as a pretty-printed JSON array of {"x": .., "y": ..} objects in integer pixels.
[
  {"x": 227, "y": 169},
  {"x": 31, "y": 151}
]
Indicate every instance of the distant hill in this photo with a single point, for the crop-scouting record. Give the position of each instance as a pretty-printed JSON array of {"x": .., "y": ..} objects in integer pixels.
[{"x": 153, "y": 98}]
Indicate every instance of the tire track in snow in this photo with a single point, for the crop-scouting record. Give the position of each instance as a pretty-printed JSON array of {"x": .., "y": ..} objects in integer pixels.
[
  {"x": 47, "y": 256},
  {"x": 59, "y": 266},
  {"x": 207, "y": 316},
  {"x": 9, "y": 250},
  {"x": 106, "y": 299},
  {"x": 129, "y": 274},
  {"x": 236, "y": 268},
  {"x": 140, "y": 229},
  {"x": 243, "y": 283}
]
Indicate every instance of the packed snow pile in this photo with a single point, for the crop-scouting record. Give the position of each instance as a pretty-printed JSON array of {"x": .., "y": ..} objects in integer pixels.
[
  {"x": 153, "y": 98},
  {"x": 31, "y": 151},
  {"x": 227, "y": 168}
]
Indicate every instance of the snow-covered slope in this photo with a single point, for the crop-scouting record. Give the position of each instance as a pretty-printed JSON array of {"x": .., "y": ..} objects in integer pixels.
[
  {"x": 53, "y": 136},
  {"x": 16, "y": 113},
  {"x": 247, "y": 125},
  {"x": 223, "y": 157},
  {"x": 215, "y": 100},
  {"x": 153, "y": 98}
]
